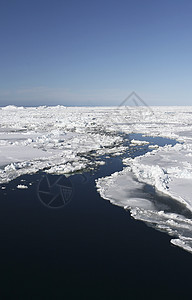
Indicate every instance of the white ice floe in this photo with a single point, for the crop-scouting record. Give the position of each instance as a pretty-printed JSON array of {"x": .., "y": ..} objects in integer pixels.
[
  {"x": 62, "y": 140},
  {"x": 22, "y": 186},
  {"x": 153, "y": 146},
  {"x": 137, "y": 142},
  {"x": 168, "y": 169}
]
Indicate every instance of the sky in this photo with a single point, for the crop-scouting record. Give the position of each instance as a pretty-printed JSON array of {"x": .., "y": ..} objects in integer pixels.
[{"x": 84, "y": 52}]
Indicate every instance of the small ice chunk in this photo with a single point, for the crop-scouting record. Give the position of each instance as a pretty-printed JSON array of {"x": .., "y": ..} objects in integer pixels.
[
  {"x": 137, "y": 142},
  {"x": 22, "y": 186},
  {"x": 153, "y": 146}
]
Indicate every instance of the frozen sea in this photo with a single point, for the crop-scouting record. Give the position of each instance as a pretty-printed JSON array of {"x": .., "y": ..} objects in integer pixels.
[{"x": 60, "y": 238}]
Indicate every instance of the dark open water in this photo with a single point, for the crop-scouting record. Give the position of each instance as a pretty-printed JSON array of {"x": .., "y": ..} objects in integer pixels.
[{"x": 89, "y": 249}]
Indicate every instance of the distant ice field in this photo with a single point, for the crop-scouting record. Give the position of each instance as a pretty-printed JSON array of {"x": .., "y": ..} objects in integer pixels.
[{"x": 63, "y": 140}]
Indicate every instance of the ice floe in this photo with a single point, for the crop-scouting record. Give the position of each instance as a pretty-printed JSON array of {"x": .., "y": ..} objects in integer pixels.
[
  {"x": 167, "y": 169},
  {"x": 22, "y": 186}
]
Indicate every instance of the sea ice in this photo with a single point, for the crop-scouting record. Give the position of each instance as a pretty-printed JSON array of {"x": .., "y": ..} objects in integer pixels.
[{"x": 62, "y": 140}]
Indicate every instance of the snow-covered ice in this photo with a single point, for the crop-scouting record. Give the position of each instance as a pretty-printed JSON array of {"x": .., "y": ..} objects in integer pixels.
[
  {"x": 54, "y": 139},
  {"x": 62, "y": 140}
]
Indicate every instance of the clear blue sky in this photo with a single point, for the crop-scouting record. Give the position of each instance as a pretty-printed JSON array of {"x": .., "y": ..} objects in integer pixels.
[{"x": 95, "y": 52}]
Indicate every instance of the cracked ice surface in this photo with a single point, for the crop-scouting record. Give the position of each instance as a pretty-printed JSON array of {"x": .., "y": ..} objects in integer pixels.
[{"x": 53, "y": 139}]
